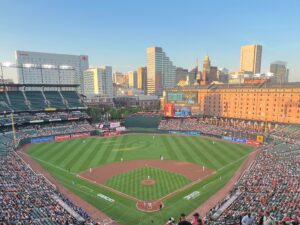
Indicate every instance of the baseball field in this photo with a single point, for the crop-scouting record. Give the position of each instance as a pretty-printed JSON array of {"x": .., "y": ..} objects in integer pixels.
[{"x": 115, "y": 173}]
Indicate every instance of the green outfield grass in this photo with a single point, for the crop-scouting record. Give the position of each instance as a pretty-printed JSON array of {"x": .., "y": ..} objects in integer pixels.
[
  {"x": 65, "y": 159},
  {"x": 130, "y": 183}
]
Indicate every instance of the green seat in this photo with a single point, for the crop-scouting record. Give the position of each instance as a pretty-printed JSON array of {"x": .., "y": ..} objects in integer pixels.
[
  {"x": 36, "y": 99},
  {"x": 55, "y": 99},
  {"x": 17, "y": 101},
  {"x": 73, "y": 99}
]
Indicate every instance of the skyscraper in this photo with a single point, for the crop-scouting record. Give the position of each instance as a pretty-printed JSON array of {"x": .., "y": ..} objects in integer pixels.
[
  {"x": 161, "y": 73},
  {"x": 250, "y": 59},
  {"x": 120, "y": 79},
  {"x": 132, "y": 79},
  {"x": 142, "y": 78},
  {"x": 209, "y": 73},
  {"x": 280, "y": 72},
  {"x": 49, "y": 75},
  {"x": 98, "y": 82}
]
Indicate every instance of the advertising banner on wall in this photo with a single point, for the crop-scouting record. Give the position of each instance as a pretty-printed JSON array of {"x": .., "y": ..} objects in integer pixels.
[
  {"x": 260, "y": 138},
  {"x": 42, "y": 139},
  {"x": 62, "y": 137},
  {"x": 80, "y": 135},
  {"x": 108, "y": 134},
  {"x": 186, "y": 132},
  {"x": 239, "y": 140},
  {"x": 253, "y": 143},
  {"x": 182, "y": 111},
  {"x": 169, "y": 110},
  {"x": 114, "y": 124},
  {"x": 36, "y": 121},
  {"x": 120, "y": 129},
  {"x": 227, "y": 138}
]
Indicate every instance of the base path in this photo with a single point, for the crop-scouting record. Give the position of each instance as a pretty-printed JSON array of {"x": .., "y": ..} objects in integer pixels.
[
  {"x": 101, "y": 174},
  {"x": 223, "y": 192},
  {"x": 93, "y": 212}
]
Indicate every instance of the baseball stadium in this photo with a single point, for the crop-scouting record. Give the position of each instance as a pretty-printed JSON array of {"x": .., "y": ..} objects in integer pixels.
[{"x": 203, "y": 155}]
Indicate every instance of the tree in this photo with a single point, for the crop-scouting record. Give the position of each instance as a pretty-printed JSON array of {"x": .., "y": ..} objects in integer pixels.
[{"x": 95, "y": 114}]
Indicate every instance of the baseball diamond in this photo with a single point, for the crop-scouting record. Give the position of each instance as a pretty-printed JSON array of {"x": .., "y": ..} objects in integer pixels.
[{"x": 115, "y": 167}]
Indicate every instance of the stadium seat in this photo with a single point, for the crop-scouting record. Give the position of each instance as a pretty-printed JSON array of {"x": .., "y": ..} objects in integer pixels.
[
  {"x": 72, "y": 99},
  {"x": 36, "y": 99},
  {"x": 17, "y": 101},
  {"x": 4, "y": 105},
  {"x": 55, "y": 99}
]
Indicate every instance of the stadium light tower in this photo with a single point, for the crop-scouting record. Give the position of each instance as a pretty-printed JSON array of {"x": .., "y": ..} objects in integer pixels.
[
  {"x": 63, "y": 67},
  {"x": 36, "y": 66},
  {"x": 2, "y": 77},
  {"x": 14, "y": 65},
  {"x": 6, "y": 64}
]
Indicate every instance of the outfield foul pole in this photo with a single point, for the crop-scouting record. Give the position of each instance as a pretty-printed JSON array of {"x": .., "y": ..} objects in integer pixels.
[{"x": 13, "y": 129}]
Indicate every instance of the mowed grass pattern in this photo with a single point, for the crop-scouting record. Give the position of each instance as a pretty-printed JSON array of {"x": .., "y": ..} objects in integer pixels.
[
  {"x": 130, "y": 183},
  {"x": 79, "y": 155}
]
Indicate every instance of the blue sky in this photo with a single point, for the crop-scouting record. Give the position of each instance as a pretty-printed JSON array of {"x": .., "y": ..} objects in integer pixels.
[{"x": 117, "y": 32}]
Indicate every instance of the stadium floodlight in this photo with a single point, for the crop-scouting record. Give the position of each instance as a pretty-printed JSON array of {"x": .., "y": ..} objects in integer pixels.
[
  {"x": 8, "y": 64},
  {"x": 29, "y": 65},
  {"x": 48, "y": 66},
  {"x": 65, "y": 67},
  {"x": 269, "y": 74}
]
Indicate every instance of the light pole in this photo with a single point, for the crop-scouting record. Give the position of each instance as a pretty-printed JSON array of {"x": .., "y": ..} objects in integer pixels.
[
  {"x": 46, "y": 66},
  {"x": 63, "y": 67},
  {"x": 5, "y": 64},
  {"x": 2, "y": 77},
  {"x": 35, "y": 66},
  {"x": 18, "y": 66},
  {"x": 28, "y": 66}
]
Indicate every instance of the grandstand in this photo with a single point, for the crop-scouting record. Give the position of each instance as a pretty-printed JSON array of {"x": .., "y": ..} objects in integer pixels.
[
  {"x": 270, "y": 184},
  {"x": 34, "y": 114},
  {"x": 16, "y": 98},
  {"x": 72, "y": 99},
  {"x": 36, "y": 100},
  {"x": 4, "y": 105}
]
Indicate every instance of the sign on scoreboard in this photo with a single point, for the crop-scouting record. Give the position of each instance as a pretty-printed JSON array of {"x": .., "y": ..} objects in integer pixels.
[{"x": 182, "y": 97}]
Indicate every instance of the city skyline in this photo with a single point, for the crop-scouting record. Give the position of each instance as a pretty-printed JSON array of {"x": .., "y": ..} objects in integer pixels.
[{"x": 126, "y": 35}]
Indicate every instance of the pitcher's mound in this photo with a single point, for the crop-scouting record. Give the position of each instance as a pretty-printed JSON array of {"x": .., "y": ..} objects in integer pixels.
[
  {"x": 148, "y": 182},
  {"x": 149, "y": 206}
]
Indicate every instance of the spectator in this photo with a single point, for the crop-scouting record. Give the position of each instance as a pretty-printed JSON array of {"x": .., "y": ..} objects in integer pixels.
[
  {"x": 197, "y": 219},
  {"x": 248, "y": 219},
  {"x": 183, "y": 220}
]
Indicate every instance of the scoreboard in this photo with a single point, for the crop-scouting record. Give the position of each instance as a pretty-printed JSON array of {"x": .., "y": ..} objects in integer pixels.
[{"x": 182, "y": 97}]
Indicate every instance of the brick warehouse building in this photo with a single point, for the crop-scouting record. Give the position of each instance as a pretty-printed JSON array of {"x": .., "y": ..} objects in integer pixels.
[{"x": 254, "y": 102}]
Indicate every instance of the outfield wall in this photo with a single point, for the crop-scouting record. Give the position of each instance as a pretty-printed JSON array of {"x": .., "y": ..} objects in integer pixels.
[
  {"x": 189, "y": 132},
  {"x": 50, "y": 138}
]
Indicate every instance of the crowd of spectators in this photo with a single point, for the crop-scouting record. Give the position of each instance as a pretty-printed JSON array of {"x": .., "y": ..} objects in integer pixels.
[
  {"x": 268, "y": 193},
  {"x": 212, "y": 126},
  {"x": 36, "y": 130},
  {"x": 289, "y": 133},
  {"x": 269, "y": 188},
  {"x": 45, "y": 116},
  {"x": 27, "y": 198}
]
